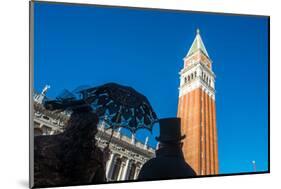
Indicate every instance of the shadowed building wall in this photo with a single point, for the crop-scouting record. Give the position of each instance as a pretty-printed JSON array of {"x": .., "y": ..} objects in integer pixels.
[{"x": 196, "y": 108}]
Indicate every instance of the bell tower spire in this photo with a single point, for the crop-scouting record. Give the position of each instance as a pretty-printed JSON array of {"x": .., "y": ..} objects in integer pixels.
[
  {"x": 196, "y": 108},
  {"x": 198, "y": 50}
]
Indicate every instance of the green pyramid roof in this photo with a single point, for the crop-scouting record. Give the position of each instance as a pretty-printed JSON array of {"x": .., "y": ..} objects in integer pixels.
[{"x": 197, "y": 45}]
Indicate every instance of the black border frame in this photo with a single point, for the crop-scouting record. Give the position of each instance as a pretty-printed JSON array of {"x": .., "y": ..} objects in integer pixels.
[{"x": 31, "y": 74}]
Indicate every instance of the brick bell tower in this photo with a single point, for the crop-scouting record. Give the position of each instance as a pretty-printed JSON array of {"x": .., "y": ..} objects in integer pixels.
[{"x": 197, "y": 110}]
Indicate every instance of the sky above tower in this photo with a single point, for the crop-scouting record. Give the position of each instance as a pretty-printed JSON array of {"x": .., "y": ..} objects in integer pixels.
[{"x": 87, "y": 45}]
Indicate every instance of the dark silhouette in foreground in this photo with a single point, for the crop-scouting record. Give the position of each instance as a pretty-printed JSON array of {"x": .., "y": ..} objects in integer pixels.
[
  {"x": 169, "y": 162},
  {"x": 70, "y": 158}
]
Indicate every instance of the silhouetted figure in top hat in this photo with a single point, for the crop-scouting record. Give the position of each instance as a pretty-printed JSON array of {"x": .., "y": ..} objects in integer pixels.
[{"x": 169, "y": 162}]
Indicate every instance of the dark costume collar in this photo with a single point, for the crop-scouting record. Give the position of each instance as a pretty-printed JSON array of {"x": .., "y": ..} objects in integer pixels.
[{"x": 174, "y": 151}]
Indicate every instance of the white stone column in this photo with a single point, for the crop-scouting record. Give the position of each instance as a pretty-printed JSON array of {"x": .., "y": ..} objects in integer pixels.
[
  {"x": 125, "y": 172},
  {"x": 102, "y": 125},
  {"x": 121, "y": 170},
  {"x": 137, "y": 170},
  {"x": 109, "y": 166},
  {"x": 157, "y": 146},
  {"x": 118, "y": 135},
  {"x": 146, "y": 142},
  {"x": 133, "y": 140}
]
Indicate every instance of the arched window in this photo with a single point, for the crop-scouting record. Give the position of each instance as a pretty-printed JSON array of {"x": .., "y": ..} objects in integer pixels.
[
  {"x": 185, "y": 80},
  {"x": 195, "y": 74},
  {"x": 188, "y": 78},
  {"x": 192, "y": 76}
]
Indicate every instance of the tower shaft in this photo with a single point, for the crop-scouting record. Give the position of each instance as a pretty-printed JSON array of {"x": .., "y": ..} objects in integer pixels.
[{"x": 196, "y": 108}]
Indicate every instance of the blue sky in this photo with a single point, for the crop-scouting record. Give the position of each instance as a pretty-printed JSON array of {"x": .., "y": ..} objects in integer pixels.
[{"x": 87, "y": 45}]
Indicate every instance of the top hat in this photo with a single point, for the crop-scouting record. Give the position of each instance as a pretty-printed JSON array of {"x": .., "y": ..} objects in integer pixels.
[{"x": 170, "y": 130}]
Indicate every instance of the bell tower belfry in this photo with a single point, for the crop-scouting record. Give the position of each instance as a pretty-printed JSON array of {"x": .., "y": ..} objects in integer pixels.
[{"x": 197, "y": 110}]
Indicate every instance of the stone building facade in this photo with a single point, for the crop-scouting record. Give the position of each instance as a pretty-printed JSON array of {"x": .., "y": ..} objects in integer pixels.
[
  {"x": 197, "y": 110},
  {"x": 127, "y": 154}
]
